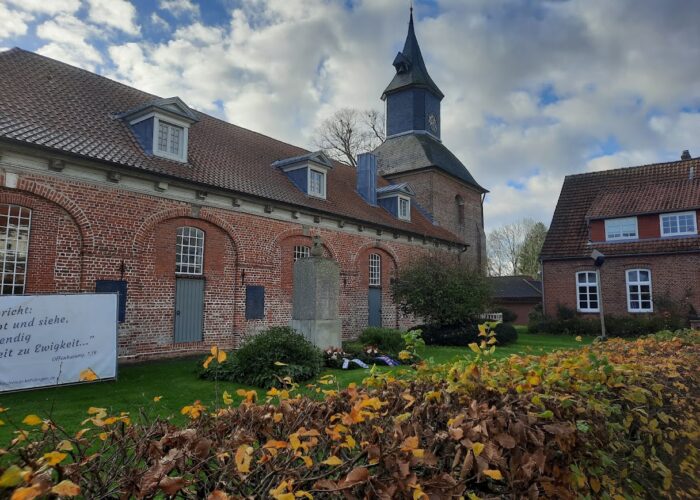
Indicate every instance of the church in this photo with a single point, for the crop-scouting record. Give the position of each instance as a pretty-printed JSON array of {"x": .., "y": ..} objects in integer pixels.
[{"x": 197, "y": 222}]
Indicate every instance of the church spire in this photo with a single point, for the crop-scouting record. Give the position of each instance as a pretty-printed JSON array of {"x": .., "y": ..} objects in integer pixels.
[{"x": 410, "y": 67}]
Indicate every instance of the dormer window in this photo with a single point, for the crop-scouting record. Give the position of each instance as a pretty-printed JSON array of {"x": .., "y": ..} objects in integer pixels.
[
  {"x": 317, "y": 183},
  {"x": 170, "y": 139},
  {"x": 396, "y": 199},
  {"x": 308, "y": 172},
  {"x": 404, "y": 208},
  {"x": 678, "y": 224},
  {"x": 162, "y": 127},
  {"x": 621, "y": 229}
]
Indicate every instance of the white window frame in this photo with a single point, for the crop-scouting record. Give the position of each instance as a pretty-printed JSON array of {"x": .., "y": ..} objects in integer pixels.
[
  {"x": 665, "y": 234},
  {"x": 301, "y": 252},
  {"x": 322, "y": 192},
  {"x": 638, "y": 283},
  {"x": 185, "y": 267},
  {"x": 407, "y": 216},
  {"x": 157, "y": 118},
  {"x": 588, "y": 293},
  {"x": 11, "y": 256},
  {"x": 375, "y": 269},
  {"x": 621, "y": 220}
]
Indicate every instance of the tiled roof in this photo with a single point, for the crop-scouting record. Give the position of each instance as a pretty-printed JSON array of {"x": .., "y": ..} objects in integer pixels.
[
  {"x": 50, "y": 104},
  {"x": 408, "y": 152},
  {"x": 645, "y": 188},
  {"x": 647, "y": 198},
  {"x": 515, "y": 287}
]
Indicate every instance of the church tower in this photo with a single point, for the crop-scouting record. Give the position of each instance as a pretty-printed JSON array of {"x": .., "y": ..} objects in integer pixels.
[{"x": 414, "y": 152}]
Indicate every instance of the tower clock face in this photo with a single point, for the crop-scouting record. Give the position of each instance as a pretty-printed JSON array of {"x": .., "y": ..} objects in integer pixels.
[{"x": 433, "y": 123}]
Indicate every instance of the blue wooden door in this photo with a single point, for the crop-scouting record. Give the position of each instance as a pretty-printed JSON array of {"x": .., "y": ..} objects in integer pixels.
[
  {"x": 375, "y": 306},
  {"x": 189, "y": 310}
]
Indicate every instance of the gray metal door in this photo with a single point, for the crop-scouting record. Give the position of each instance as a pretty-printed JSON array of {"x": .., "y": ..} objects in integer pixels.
[
  {"x": 189, "y": 310},
  {"x": 375, "y": 306}
]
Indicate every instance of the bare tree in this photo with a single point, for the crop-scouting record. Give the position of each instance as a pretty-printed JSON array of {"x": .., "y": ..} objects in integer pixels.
[
  {"x": 505, "y": 247},
  {"x": 350, "y": 132}
]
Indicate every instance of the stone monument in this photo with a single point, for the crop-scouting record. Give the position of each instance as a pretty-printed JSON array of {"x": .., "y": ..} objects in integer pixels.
[{"x": 315, "y": 298}]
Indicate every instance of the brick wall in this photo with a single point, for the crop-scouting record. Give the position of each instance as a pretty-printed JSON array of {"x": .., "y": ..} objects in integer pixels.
[
  {"x": 522, "y": 310},
  {"x": 674, "y": 276},
  {"x": 82, "y": 232}
]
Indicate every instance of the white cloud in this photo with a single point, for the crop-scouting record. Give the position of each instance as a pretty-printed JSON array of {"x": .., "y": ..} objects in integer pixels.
[
  {"x": 13, "y": 23},
  {"x": 67, "y": 37},
  {"x": 622, "y": 77},
  {"x": 119, "y": 14},
  {"x": 179, "y": 7},
  {"x": 50, "y": 7},
  {"x": 159, "y": 22}
]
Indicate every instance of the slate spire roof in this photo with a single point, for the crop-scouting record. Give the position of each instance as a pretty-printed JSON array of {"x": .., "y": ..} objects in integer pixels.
[{"x": 410, "y": 67}]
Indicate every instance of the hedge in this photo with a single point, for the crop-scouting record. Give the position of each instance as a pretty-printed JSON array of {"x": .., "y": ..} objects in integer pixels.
[{"x": 616, "y": 419}]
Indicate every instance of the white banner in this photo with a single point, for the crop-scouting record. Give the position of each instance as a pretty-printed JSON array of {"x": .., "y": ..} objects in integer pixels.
[{"x": 50, "y": 340}]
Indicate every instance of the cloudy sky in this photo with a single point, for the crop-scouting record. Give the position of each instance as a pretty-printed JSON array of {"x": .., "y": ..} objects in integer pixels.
[{"x": 534, "y": 89}]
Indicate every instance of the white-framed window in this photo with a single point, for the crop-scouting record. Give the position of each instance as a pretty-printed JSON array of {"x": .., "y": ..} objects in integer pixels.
[
  {"x": 621, "y": 229},
  {"x": 170, "y": 140},
  {"x": 317, "y": 183},
  {"x": 375, "y": 269},
  {"x": 587, "y": 291},
  {"x": 679, "y": 224},
  {"x": 15, "y": 224},
  {"x": 301, "y": 252},
  {"x": 189, "y": 253},
  {"x": 639, "y": 297},
  {"x": 404, "y": 208}
]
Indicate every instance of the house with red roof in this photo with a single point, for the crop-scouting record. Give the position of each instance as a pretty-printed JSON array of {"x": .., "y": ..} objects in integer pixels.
[
  {"x": 197, "y": 222},
  {"x": 643, "y": 223}
]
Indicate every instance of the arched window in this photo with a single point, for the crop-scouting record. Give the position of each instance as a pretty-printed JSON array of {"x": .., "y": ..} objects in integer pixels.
[
  {"x": 375, "y": 269},
  {"x": 15, "y": 222},
  {"x": 189, "y": 253},
  {"x": 301, "y": 252},
  {"x": 459, "y": 207}
]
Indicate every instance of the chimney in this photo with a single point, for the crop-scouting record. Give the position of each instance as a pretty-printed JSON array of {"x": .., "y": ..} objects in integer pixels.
[
  {"x": 685, "y": 155},
  {"x": 367, "y": 177}
]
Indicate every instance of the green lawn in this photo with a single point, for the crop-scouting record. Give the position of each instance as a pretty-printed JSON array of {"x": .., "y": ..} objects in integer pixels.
[{"x": 177, "y": 383}]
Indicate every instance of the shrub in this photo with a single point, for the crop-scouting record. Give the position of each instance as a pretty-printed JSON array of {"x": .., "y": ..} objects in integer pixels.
[
  {"x": 567, "y": 424},
  {"x": 268, "y": 357},
  {"x": 509, "y": 315},
  {"x": 505, "y": 333},
  {"x": 387, "y": 340},
  {"x": 440, "y": 291},
  {"x": 450, "y": 335}
]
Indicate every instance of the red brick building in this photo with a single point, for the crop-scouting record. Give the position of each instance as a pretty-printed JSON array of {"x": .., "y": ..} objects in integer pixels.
[
  {"x": 518, "y": 294},
  {"x": 195, "y": 221},
  {"x": 644, "y": 220}
]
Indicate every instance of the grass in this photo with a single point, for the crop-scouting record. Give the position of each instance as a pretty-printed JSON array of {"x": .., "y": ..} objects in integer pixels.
[{"x": 176, "y": 381}]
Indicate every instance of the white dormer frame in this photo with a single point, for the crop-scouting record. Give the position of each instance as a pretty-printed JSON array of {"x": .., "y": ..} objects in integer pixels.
[
  {"x": 171, "y": 120},
  {"x": 406, "y": 217}
]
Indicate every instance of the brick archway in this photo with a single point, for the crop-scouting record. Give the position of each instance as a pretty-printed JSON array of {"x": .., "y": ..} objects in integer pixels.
[
  {"x": 81, "y": 220},
  {"x": 276, "y": 244},
  {"x": 370, "y": 245},
  {"x": 142, "y": 233}
]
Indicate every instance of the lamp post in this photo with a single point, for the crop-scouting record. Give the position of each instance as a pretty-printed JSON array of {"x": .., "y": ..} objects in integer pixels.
[{"x": 598, "y": 261}]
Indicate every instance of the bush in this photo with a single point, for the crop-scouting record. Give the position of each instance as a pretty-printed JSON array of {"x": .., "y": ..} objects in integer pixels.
[
  {"x": 450, "y": 335},
  {"x": 565, "y": 424},
  {"x": 505, "y": 333},
  {"x": 442, "y": 292},
  {"x": 508, "y": 315},
  {"x": 387, "y": 340},
  {"x": 256, "y": 362},
  {"x": 615, "y": 326}
]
